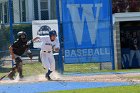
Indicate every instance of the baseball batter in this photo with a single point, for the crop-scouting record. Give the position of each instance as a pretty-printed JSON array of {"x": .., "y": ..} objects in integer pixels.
[{"x": 49, "y": 44}]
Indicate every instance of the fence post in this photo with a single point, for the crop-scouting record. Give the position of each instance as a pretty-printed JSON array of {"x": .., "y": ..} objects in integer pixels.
[
  {"x": 60, "y": 59},
  {"x": 11, "y": 24},
  {"x": 112, "y": 39}
]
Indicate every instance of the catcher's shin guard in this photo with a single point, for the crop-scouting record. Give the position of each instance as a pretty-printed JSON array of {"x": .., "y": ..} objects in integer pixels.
[
  {"x": 19, "y": 69},
  {"x": 19, "y": 66}
]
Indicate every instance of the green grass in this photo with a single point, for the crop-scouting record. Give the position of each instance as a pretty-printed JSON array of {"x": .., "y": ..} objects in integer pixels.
[
  {"x": 82, "y": 68},
  {"x": 121, "y": 89},
  {"x": 28, "y": 69},
  {"x": 4, "y": 70},
  {"x": 33, "y": 69},
  {"x": 36, "y": 69},
  {"x": 134, "y": 77},
  {"x": 92, "y": 68}
]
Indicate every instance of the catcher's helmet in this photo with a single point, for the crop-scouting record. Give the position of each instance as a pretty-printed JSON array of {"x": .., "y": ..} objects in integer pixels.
[
  {"x": 21, "y": 33},
  {"x": 53, "y": 32}
]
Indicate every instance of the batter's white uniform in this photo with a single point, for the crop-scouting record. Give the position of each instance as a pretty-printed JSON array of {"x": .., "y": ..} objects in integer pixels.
[{"x": 46, "y": 52}]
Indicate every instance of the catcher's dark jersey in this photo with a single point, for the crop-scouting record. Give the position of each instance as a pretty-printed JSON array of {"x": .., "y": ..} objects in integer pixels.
[{"x": 19, "y": 47}]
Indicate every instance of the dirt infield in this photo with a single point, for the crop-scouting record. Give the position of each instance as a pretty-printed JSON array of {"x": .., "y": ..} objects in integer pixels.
[
  {"x": 81, "y": 78},
  {"x": 104, "y": 78}
]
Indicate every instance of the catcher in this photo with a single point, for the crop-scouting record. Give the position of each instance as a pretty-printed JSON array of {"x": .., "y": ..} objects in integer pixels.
[{"x": 17, "y": 49}]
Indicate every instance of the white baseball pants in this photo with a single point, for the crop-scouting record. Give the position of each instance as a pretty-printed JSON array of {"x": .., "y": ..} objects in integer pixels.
[{"x": 48, "y": 60}]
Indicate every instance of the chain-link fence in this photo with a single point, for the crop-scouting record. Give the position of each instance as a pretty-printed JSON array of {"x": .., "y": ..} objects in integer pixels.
[{"x": 4, "y": 42}]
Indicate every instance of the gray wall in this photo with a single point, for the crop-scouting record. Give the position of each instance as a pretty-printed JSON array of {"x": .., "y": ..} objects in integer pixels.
[{"x": 53, "y": 9}]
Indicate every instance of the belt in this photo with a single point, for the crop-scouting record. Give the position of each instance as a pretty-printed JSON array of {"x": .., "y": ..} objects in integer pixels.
[{"x": 47, "y": 51}]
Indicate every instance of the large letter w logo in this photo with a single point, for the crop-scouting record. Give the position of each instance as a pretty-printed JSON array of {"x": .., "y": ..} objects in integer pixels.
[{"x": 88, "y": 16}]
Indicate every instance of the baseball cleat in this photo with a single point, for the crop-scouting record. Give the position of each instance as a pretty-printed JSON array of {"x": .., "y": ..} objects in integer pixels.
[{"x": 47, "y": 76}]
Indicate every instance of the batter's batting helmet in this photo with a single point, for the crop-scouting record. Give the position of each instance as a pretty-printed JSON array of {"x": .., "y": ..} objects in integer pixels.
[{"x": 53, "y": 32}]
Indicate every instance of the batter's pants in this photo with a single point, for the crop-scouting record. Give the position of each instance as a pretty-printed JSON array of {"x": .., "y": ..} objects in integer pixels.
[{"x": 48, "y": 60}]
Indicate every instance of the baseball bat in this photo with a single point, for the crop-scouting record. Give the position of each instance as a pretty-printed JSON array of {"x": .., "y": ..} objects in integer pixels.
[{"x": 5, "y": 76}]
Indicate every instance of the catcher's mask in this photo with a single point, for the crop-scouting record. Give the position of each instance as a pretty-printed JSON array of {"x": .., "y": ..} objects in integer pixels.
[{"x": 22, "y": 36}]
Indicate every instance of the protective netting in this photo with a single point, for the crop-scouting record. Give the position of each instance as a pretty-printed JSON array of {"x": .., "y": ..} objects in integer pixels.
[{"x": 4, "y": 39}]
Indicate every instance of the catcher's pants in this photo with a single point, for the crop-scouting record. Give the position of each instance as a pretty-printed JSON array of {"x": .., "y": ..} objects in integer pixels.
[
  {"x": 132, "y": 53},
  {"x": 48, "y": 60}
]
